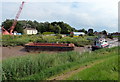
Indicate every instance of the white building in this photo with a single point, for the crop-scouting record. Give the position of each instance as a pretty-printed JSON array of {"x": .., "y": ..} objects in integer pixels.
[
  {"x": 77, "y": 33},
  {"x": 30, "y": 31},
  {"x": 16, "y": 33}
]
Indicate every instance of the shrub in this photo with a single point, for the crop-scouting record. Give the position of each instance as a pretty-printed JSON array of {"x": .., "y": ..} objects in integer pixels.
[
  {"x": 48, "y": 33},
  {"x": 58, "y": 36},
  {"x": 8, "y": 40}
]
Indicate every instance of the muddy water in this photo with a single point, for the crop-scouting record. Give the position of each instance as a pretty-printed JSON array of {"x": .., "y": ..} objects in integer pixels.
[
  {"x": 82, "y": 49},
  {"x": 13, "y": 51}
]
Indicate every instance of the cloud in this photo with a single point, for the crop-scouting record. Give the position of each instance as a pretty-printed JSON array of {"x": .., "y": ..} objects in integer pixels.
[{"x": 97, "y": 14}]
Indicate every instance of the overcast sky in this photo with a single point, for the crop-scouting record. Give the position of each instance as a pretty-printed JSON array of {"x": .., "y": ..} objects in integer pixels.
[{"x": 97, "y": 14}]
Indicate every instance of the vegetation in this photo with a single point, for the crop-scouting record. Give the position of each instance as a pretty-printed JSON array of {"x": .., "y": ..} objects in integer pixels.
[
  {"x": 45, "y": 33},
  {"x": 109, "y": 71},
  {"x": 56, "y": 27},
  {"x": 82, "y": 30},
  {"x": 42, "y": 66},
  {"x": 104, "y": 32},
  {"x": 90, "y": 32},
  {"x": 8, "y": 40}
]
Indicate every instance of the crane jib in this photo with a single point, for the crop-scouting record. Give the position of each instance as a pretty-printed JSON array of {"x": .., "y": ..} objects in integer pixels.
[{"x": 5, "y": 32}]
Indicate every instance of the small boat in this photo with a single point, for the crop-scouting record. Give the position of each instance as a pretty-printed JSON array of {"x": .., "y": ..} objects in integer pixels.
[{"x": 100, "y": 43}]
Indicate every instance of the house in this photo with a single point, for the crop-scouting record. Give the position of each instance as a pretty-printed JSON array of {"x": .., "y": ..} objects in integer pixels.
[
  {"x": 77, "y": 33},
  {"x": 30, "y": 31}
]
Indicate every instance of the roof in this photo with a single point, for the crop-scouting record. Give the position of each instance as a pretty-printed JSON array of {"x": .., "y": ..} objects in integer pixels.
[
  {"x": 30, "y": 28},
  {"x": 78, "y": 33}
]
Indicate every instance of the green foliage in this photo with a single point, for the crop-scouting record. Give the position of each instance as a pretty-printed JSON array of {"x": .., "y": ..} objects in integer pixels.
[
  {"x": 59, "y": 36},
  {"x": 8, "y": 23},
  {"x": 8, "y": 40},
  {"x": 42, "y": 66},
  {"x": 90, "y": 32},
  {"x": 83, "y": 30},
  {"x": 104, "y": 32},
  {"x": 45, "y": 33},
  {"x": 56, "y": 27},
  {"x": 109, "y": 71},
  {"x": 31, "y": 64}
]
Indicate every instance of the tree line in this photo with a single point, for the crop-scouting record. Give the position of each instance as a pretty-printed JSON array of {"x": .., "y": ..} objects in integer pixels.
[{"x": 56, "y": 27}]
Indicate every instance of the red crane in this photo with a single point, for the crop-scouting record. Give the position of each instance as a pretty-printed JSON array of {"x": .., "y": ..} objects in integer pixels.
[{"x": 4, "y": 31}]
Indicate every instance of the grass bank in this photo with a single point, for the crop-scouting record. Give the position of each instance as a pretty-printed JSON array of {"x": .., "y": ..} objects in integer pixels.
[
  {"x": 107, "y": 70},
  {"x": 43, "y": 66}
]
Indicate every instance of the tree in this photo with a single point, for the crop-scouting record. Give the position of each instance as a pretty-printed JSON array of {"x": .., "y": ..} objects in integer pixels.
[
  {"x": 57, "y": 29},
  {"x": 8, "y": 23},
  {"x": 104, "y": 32},
  {"x": 66, "y": 29},
  {"x": 19, "y": 28},
  {"x": 46, "y": 26},
  {"x": 74, "y": 30},
  {"x": 82, "y": 30},
  {"x": 90, "y": 32},
  {"x": 51, "y": 28},
  {"x": 36, "y": 24}
]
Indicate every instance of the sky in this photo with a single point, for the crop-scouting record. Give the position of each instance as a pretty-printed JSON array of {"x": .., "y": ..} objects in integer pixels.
[{"x": 96, "y": 14}]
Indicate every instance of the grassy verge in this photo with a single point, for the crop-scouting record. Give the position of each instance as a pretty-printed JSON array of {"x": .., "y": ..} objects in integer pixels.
[
  {"x": 107, "y": 70},
  {"x": 65, "y": 68},
  {"x": 43, "y": 66}
]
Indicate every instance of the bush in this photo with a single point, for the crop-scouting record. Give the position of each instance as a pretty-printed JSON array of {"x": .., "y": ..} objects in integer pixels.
[
  {"x": 45, "y": 33},
  {"x": 59, "y": 36},
  {"x": 8, "y": 40}
]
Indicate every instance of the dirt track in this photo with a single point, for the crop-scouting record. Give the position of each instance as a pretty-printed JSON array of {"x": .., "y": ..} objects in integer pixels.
[{"x": 72, "y": 72}]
